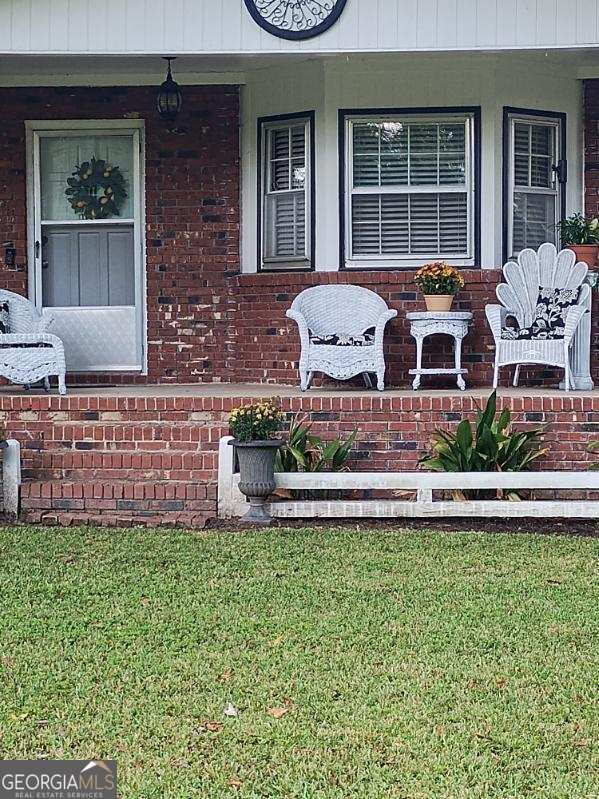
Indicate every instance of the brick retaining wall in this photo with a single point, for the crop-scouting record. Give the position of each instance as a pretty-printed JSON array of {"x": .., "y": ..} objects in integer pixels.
[{"x": 153, "y": 460}]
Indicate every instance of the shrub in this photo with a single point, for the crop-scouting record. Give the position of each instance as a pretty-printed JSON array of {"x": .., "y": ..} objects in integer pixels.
[
  {"x": 491, "y": 446},
  {"x": 255, "y": 422}
]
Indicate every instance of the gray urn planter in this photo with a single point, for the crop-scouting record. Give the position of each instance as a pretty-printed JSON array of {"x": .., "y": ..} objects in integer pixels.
[{"x": 257, "y": 472}]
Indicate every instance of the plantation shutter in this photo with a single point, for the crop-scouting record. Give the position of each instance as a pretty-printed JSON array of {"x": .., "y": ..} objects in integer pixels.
[
  {"x": 285, "y": 198},
  {"x": 534, "y": 185},
  {"x": 410, "y": 192}
]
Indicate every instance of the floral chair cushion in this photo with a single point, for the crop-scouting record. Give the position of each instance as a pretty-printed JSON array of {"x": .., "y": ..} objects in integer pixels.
[
  {"x": 550, "y": 316},
  {"x": 365, "y": 340},
  {"x": 4, "y": 318}
]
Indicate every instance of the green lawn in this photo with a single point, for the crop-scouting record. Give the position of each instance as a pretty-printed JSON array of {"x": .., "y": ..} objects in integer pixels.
[{"x": 399, "y": 664}]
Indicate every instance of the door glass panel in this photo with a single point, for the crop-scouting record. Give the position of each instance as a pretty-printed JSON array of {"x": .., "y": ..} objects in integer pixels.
[
  {"x": 88, "y": 266},
  {"x": 59, "y": 157}
]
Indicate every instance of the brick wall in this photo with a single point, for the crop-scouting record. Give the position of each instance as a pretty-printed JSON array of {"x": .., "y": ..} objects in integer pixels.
[
  {"x": 192, "y": 212},
  {"x": 153, "y": 460},
  {"x": 263, "y": 345}
]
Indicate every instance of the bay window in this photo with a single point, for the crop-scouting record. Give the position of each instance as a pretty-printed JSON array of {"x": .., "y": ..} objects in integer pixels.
[
  {"x": 535, "y": 169},
  {"x": 409, "y": 188},
  {"x": 286, "y": 197}
]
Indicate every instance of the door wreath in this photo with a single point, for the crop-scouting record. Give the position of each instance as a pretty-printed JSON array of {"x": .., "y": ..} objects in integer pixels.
[{"x": 96, "y": 189}]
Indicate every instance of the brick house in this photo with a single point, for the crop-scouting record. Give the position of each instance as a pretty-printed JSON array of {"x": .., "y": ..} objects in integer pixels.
[{"x": 273, "y": 177}]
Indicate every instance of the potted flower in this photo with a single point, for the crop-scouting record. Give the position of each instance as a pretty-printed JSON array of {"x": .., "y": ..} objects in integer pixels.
[
  {"x": 439, "y": 282},
  {"x": 581, "y": 235},
  {"x": 252, "y": 428}
]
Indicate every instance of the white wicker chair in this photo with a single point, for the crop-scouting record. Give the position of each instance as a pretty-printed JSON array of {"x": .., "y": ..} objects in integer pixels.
[
  {"x": 27, "y": 365},
  {"x": 518, "y": 297},
  {"x": 341, "y": 311}
]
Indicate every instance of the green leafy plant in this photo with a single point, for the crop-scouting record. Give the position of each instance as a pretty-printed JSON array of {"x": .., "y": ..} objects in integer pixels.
[
  {"x": 305, "y": 452},
  {"x": 255, "y": 422},
  {"x": 593, "y": 448},
  {"x": 488, "y": 446},
  {"x": 579, "y": 230}
]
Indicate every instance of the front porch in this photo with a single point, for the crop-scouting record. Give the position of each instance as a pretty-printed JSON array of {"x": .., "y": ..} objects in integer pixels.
[
  {"x": 179, "y": 287},
  {"x": 197, "y": 323},
  {"x": 128, "y": 455}
]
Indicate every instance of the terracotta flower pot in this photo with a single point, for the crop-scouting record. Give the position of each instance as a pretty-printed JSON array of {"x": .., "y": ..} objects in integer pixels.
[
  {"x": 257, "y": 476},
  {"x": 587, "y": 253},
  {"x": 438, "y": 302}
]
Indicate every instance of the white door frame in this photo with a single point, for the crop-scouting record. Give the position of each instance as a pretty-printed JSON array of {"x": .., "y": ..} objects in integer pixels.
[{"x": 65, "y": 127}]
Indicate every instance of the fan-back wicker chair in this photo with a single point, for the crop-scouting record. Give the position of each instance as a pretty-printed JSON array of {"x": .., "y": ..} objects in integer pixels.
[
  {"x": 43, "y": 355},
  {"x": 344, "y": 312},
  {"x": 519, "y": 297}
]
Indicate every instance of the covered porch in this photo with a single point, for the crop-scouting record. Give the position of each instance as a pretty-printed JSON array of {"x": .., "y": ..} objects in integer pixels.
[
  {"x": 180, "y": 287},
  {"x": 174, "y": 311}
]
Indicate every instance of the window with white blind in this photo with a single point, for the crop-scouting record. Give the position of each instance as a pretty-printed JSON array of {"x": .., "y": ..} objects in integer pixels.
[
  {"x": 286, "y": 193},
  {"x": 536, "y": 172},
  {"x": 409, "y": 189}
]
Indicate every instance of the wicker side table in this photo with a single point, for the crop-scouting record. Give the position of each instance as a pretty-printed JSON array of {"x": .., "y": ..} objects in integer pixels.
[{"x": 430, "y": 323}]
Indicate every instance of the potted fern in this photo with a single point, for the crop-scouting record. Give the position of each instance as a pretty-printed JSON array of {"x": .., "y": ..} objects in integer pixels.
[
  {"x": 253, "y": 428},
  {"x": 581, "y": 235}
]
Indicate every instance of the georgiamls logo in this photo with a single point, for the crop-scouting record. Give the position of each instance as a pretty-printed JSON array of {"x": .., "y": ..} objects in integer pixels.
[
  {"x": 97, "y": 775},
  {"x": 58, "y": 779}
]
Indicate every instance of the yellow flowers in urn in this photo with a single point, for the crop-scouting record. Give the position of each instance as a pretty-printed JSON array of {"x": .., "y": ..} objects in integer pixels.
[
  {"x": 256, "y": 422},
  {"x": 439, "y": 282}
]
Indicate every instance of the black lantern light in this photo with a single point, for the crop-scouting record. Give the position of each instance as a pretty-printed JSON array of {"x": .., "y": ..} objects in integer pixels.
[{"x": 170, "y": 98}]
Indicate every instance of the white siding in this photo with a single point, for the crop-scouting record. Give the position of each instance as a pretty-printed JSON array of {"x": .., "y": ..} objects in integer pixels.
[
  {"x": 491, "y": 82},
  {"x": 224, "y": 26}
]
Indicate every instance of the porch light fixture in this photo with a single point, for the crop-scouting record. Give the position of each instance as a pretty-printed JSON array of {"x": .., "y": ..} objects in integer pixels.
[{"x": 170, "y": 97}]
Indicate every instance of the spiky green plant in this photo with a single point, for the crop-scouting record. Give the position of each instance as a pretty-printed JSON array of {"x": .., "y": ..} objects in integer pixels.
[
  {"x": 305, "y": 452},
  {"x": 593, "y": 448},
  {"x": 490, "y": 445}
]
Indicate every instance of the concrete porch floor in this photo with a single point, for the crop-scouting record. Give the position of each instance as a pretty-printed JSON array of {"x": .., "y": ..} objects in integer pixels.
[{"x": 249, "y": 390}]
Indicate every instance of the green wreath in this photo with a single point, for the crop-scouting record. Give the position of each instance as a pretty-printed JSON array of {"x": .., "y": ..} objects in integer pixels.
[{"x": 96, "y": 190}]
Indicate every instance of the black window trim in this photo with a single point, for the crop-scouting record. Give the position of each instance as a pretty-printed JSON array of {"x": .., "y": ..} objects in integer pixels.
[
  {"x": 344, "y": 113},
  {"x": 511, "y": 111},
  {"x": 262, "y": 121}
]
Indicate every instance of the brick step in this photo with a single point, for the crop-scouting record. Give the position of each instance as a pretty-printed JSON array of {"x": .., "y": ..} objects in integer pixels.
[
  {"x": 56, "y": 462},
  {"x": 114, "y": 502}
]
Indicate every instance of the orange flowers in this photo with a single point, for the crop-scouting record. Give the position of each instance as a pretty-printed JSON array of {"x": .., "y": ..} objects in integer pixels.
[{"x": 439, "y": 278}]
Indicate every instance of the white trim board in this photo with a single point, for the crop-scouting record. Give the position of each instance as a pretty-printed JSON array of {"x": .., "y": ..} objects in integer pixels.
[
  {"x": 76, "y": 125},
  {"x": 119, "y": 79}
]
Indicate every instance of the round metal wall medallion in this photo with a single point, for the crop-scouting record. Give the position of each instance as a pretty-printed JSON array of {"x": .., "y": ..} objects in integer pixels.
[{"x": 295, "y": 19}]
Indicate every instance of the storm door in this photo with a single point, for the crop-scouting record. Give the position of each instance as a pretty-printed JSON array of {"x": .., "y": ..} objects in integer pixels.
[{"x": 87, "y": 264}]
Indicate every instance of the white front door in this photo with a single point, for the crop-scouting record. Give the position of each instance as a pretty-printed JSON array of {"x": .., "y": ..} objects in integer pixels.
[{"x": 88, "y": 273}]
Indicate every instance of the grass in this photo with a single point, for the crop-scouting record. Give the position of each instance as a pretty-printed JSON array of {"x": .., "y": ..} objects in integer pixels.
[{"x": 412, "y": 665}]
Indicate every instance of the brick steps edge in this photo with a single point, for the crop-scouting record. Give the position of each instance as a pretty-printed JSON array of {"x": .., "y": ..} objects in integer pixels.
[{"x": 118, "y": 504}]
